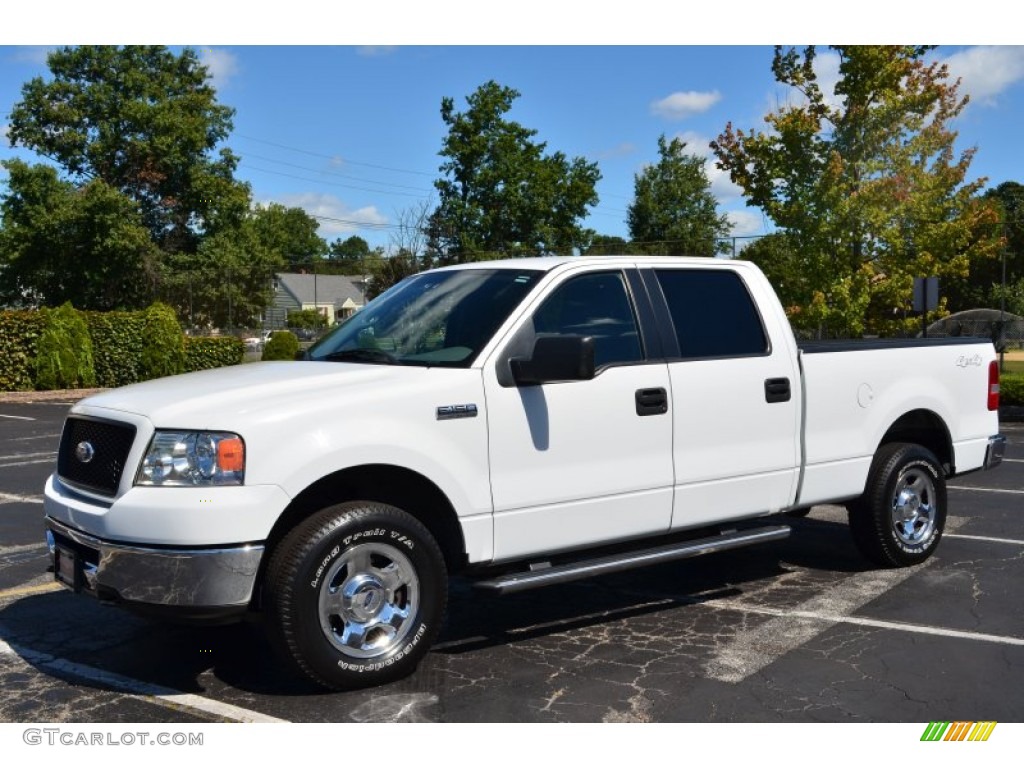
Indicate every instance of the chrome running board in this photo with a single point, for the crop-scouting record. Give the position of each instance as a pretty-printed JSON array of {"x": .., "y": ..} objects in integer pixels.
[{"x": 543, "y": 575}]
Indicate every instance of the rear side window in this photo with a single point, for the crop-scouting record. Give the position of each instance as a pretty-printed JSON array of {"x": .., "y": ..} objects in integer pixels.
[{"x": 713, "y": 313}]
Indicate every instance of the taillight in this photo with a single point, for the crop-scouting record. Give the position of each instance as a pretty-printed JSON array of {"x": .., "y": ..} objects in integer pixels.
[{"x": 993, "y": 386}]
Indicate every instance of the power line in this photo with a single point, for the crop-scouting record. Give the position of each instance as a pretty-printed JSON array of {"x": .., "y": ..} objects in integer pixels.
[
  {"x": 331, "y": 172},
  {"x": 330, "y": 183},
  {"x": 333, "y": 157}
]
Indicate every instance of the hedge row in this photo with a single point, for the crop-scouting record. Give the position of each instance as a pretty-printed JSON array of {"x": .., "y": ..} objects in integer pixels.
[
  {"x": 63, "y": 348},
  {"x": 1011, "y": 389}
]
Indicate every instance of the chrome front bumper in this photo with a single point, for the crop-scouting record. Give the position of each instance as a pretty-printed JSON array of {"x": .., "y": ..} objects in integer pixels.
[{"x": 189, "y": 579}]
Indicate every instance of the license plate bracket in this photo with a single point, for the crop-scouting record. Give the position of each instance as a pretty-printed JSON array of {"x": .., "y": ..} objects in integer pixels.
[{"x": 67, "y": 568}]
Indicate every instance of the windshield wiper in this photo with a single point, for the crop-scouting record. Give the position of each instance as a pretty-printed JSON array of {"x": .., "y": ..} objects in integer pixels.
[{"x": 362, "y": 355}]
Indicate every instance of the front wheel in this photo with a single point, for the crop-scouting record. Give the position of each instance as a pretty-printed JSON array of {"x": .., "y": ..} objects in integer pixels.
[
  {"x": 356, "y": 595},
  {"x": 900, "y": 518}
]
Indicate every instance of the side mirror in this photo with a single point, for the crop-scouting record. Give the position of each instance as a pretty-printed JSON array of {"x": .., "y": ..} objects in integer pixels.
[{"x": 555, "y": 358}]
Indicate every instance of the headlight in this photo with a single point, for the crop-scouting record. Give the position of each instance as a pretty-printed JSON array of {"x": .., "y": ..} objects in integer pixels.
[{"x": 193, "y": 458}]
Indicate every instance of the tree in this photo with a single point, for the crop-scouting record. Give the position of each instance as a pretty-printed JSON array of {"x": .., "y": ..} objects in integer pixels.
[
  {"x": 609, "y": 245},
  {"x": 290, "y": 234},
  {"x": 778, "y": 255},
  {"x": 673, "y": 211},
  {"x": 144, "y": 121},
  {"x": 867, "y": 185},
  {"x": 500, "y": 194},
  {"x": 228, "y": 281},
  {"x": 350, "y": 255},
  {"x": 61, "y": 243}
]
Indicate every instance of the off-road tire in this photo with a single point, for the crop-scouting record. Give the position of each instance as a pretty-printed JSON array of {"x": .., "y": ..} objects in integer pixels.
[
  {"x": 355, "y": 595},
  {"x": 901, "y": 516}
]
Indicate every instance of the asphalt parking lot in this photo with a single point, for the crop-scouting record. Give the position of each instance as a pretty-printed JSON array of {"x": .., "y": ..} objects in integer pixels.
[{"x": 796, "y": 631}]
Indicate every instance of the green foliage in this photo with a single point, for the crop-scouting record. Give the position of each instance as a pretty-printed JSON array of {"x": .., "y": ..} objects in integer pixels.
[
  {"x": 500, "y": 194},
  {"x": 283, "y": 345},
  {"x": 389, "y": 271},
  {"x": 287, "y": 233},
  {"x": 59, "y": 242},
  {"x": 19, "y": 332},
  {"x": 779, "y": 257},
  {"x": 307, "y": 318},
  {"x": 163, "y": 344},
  {"x": 146, "y": 122},
  {"x": 609, "y": 245},
  {"x": 867, "y": 185},
  {"x": 1011, "y": 389},
  {"x": 117, "y": 343},
  {"x": 203, "y": 352},
  {"x": 64, "y": 351},
  {"x": 673, "y": 212},
  {"x": 351, "y": 256}
]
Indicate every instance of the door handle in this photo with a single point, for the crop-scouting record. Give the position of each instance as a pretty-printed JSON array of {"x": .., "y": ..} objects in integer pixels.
[
  {"x": 651, "y": 402},
  {"x": 776, "y": 390}
]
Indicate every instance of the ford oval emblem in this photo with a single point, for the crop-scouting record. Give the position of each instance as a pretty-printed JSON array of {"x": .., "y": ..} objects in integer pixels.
[{"x": 84, "y": 452}]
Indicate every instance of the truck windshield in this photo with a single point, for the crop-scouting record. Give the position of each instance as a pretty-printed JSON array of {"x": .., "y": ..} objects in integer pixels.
[{"x": 441, "y": 318}]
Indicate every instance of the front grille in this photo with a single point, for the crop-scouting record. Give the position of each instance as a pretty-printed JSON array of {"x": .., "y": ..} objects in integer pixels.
[{"x": 109, "y": 441}]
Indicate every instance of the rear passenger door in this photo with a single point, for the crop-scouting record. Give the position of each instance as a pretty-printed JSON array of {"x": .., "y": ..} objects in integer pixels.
[{"x": 735, "y": 397}]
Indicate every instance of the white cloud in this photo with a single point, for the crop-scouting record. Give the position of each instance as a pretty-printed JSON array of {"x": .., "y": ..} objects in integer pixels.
[
  {"x": 746, "y": 223},
  {"x": 338, "y": 217},
  {"x": 683, "y": 104},
  {"x": 4, "y": 129},
  {"x": 221, "y": 64},
  {"x": 986, "y": 71}
]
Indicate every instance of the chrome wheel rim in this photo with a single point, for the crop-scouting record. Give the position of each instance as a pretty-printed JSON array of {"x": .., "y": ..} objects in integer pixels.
[
  {"x": 914, "y": 507},
  {"x": 368, "y": 600}
]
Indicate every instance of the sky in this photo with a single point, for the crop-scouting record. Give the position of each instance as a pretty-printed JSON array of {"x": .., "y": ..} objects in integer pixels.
[{"x": 351, "y": 133}]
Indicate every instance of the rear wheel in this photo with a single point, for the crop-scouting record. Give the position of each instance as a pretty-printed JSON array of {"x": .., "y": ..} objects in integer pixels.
[
  {"x": 900, "y": 518},
  {"x": 356, "y": 595}
]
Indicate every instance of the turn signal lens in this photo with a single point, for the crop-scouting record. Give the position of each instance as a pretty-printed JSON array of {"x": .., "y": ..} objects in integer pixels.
[{"x": 231, "y": 454}]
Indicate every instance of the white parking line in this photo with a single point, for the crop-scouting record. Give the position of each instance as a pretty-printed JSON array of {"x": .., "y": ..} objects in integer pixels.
[
  {"x": 29, "y": 455},
  {"x": 752, "y": 650},
  {"x": 56, "y": 435},
  {"x": 136, "y": 689},
  {"x": 26, "y": 463},
  {"x": 11, "y": 498},
  {"x": 831, "y": 619},
  {"x": 19, "y": 418},
  {"x": 983, "y": 490},
  {"x": 990, "y": 539}
]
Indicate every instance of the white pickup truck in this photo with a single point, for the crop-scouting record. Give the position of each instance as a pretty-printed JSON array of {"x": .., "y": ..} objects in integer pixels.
[{"x": 522, "y": 423}]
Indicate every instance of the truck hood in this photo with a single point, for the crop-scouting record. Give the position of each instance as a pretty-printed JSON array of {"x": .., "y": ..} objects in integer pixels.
[{"x": 222, "y": 398}]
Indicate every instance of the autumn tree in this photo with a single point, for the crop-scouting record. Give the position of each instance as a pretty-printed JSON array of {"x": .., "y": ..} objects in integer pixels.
[
  {"x": 673, "y": 211},
  {"x": 866, "y": 183},
  {"x": 501, "y": 194},
  {"x": 144, "y": 121}
]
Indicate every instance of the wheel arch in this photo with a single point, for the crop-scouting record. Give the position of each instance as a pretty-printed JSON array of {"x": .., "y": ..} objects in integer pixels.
[
  {"x": 398, "y": 486},
  {"x": 925, "y": 428}
]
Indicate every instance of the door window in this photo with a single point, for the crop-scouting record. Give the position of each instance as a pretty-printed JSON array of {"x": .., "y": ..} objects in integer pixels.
[{"x": 596, "y": 305}]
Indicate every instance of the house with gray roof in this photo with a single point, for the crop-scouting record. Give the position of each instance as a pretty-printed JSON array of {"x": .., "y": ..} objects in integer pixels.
[{"x": 334, "y": 296}]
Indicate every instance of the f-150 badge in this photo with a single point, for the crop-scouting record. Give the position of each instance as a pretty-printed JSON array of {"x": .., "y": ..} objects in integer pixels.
[{"x": 467, "y": 411}]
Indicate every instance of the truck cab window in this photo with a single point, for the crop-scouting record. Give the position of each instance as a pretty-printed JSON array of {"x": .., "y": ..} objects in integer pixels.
[
  {"x": 713, "y": 313},
  {"x": 596, "y": 305}
]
